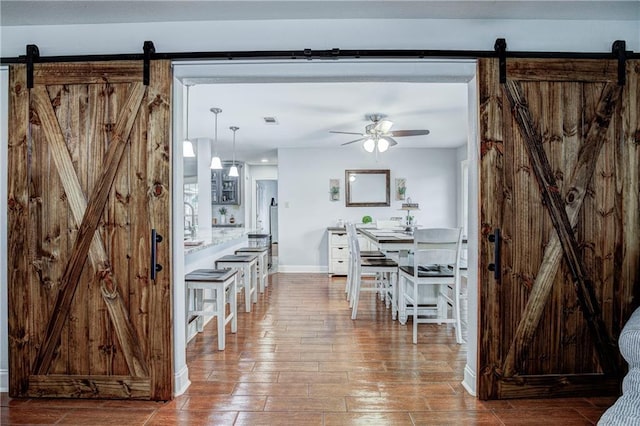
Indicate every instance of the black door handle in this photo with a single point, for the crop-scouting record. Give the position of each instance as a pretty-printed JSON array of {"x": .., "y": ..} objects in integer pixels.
[
  {"x": 495, "y": 266},
  {"x": 155, "y": 266}
]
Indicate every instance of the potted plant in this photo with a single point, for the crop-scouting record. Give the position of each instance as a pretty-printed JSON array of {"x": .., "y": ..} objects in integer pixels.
[
  {"x": 335, "y": 193},
  {"x": 223, "y": 215},
  {"x": 401, "y": 191}
]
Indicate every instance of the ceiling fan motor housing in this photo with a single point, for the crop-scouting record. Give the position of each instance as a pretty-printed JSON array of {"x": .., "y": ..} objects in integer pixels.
[{"x": 370, "y": 128}]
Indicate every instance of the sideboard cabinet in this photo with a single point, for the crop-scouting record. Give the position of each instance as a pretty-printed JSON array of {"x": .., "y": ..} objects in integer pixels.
[{"x": 338, "y": 253}]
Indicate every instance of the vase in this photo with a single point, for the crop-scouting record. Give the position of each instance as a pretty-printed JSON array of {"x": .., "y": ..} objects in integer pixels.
[{"x": 223, "y": 219}]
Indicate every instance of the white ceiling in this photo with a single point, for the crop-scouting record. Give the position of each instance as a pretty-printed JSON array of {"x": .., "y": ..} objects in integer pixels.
[
  {"x": 26, "y": 12},
  {"x": 307, "y": 110}
]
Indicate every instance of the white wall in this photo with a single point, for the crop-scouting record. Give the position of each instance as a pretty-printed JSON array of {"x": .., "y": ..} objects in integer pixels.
[
  {"x": 570, "y": 35},
  {"x": 305, "y": 210}
]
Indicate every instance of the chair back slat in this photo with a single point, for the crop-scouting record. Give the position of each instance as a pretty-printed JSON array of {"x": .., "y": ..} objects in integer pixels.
[{"x": 436, "y": 246}]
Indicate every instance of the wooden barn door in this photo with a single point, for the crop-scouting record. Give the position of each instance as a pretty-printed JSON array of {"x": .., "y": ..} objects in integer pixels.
[
  {"x": 88, "y": 181},
  {"x": 559, "y": 169}
]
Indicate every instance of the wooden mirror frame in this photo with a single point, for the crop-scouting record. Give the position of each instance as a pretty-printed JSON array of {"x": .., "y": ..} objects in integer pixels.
[{"x": 374, "y": 202}]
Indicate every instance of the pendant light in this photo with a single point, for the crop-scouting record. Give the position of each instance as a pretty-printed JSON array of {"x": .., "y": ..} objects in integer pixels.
[
  {"x": 216, "y": 164},
  {"x": 233, "y": 171},
  {"x": 187, "y": 146}
]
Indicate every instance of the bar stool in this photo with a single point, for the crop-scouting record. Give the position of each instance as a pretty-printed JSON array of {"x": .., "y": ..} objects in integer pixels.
[
  {"x": 246, "y": 265},
  {"x": 224, "y": 285},
  {"x": 263, "y": 264}
]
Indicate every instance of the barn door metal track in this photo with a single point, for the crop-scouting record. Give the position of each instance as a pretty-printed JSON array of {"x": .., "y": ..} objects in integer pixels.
[{"x": 618, "y": 52}]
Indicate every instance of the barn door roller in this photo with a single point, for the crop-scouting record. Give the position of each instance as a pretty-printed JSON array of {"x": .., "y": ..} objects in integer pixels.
[
  {"x": 501, "y": 49},
  {"x": 33, "y": 54},
  {"x": 149, "y": 49},
  {"x": 619, "y": 49}
]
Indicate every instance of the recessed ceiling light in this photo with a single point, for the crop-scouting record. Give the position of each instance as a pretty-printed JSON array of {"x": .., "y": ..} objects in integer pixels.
[
  {"x": 265, "y": 160},
  {"x": 270, "y": 120}
]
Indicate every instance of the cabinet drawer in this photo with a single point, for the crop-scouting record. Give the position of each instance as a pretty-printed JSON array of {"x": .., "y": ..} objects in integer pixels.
[
  {"x": 339, "y": 266},
  {"x": 339, "y": 239},
  {"x": 339, "y": 253}
]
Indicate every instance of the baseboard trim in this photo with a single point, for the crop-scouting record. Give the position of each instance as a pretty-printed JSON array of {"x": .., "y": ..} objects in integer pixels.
[
  {"x": 303, "y": 269},
  {"x": 181, "y": 381},
  {"x": 4, "y": 380},
  {"x": 469, "y": 382}
]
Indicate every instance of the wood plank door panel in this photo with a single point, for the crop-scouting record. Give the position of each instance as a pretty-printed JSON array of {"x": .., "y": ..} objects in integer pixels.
[
  {"x": 89, "y": 179},
  {"x": 559, "y": 178}
]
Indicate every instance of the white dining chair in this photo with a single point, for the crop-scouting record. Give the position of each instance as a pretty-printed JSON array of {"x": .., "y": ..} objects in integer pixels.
[
  {"x": 430, "y": 285},
  {"x": 363, "y": 254},
  {"x": 384, "y": 270}
]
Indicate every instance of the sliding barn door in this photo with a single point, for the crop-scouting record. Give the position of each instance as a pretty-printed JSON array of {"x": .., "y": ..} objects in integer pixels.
[
  {"x": 559, "y": 169},
  {"x": 88, "y": 182}
]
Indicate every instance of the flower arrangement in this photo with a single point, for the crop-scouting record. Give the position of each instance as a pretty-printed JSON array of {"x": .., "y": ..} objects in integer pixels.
[{"x": 222, "y": 211}]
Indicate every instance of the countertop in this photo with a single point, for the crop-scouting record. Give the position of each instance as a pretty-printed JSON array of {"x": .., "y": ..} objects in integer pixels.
[
  {"x": 227, "y": 225},
  {"x": 215, "y": 237}
]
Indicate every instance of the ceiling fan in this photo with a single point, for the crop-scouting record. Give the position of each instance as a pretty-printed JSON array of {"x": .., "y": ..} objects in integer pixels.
[{"x": 378, "y": 134}]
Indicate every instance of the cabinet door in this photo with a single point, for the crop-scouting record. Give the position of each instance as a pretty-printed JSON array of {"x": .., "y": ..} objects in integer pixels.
[
  {"x": 225, "y": 189},
  {"x": 215, "y": 186},
  {"x": 229, "y": 190}
]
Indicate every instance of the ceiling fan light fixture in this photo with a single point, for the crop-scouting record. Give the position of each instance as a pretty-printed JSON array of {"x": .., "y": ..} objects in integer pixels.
[
  {"x": 369, "y": 145},
  {"x": 383, "y": 145}
]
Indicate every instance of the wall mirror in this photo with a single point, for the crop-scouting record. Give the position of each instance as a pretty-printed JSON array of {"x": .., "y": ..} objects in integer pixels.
[{"x": 367, "y": 188}]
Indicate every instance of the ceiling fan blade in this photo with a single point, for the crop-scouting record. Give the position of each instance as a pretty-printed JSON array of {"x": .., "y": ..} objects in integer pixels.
[
  {"x": 353, "y": 141},
  {"x": 399, "y": 133},
  {"x": 346, "y": 133},
  {"x": 383, "y": 126},
  {"x": 392, "y": 142}
]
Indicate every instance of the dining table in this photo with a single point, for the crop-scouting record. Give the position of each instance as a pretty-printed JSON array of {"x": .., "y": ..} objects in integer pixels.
[{"x": 390, "y": 240}]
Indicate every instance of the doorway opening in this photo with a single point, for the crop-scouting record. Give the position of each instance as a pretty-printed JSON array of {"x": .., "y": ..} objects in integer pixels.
[{"x": 284, "y": 75}]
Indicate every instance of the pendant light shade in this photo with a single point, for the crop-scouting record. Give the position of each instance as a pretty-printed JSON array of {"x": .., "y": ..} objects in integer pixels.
[
  {"x": 187, "y": 149},
  {"x": 216, "y": 164},
  {"x": 233, "y": 171},
  {"x": 187, "y": 146}
]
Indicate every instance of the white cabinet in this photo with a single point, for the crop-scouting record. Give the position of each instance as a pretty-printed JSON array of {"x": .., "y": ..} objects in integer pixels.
[{"x": 338, "y": 250}]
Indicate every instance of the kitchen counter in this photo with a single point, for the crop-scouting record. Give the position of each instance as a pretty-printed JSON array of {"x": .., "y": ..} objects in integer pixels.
[
  {"x": 215, "y": 237},
  {"x": 227, "y": 225}
]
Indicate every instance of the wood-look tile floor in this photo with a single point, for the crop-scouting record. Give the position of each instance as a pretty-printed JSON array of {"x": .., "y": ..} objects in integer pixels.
[{"x": 299, "y": 359}]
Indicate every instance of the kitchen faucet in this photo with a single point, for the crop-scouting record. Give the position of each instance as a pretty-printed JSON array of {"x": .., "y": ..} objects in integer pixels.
[{"x": 190, "y": 225}]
